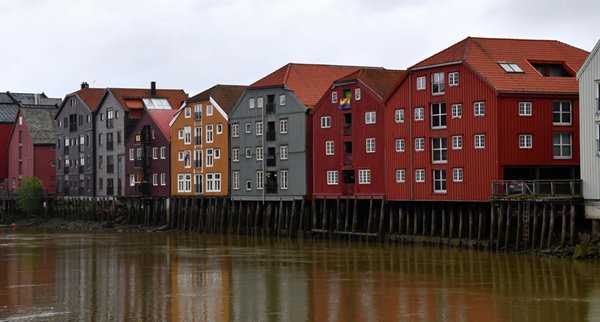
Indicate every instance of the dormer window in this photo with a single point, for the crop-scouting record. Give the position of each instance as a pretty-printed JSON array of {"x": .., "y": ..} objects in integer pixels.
[
  {"x": 510, "y": 67},
  {"x": 552, "y": 69}
]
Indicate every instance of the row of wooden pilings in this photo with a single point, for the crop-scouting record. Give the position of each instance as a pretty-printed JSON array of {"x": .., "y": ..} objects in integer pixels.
[{"x": 501, "y": 224}]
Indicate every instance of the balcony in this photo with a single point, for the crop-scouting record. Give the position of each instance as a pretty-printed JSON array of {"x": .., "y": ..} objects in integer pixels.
[
  {"x": 81, "y": 169},
  {"x": 271, "y": 160},
  {"x": 348, "y": 188},
  {"x": 347, "y": 129},
  {"x": 110, "y": 168},
  {"x": 348, "y": 160},
  {"x": 142, "y": 188},
  {"x": 270, "y": 108},
  {"x": 109, "y": 146},
  {"x": 536, "y": 189},
  {"x": 271, "y": 136},
  {"x": 72, "y": 126},
  {"x": 143, "y": 163}
]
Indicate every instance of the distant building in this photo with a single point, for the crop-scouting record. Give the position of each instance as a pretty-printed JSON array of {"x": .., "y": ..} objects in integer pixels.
[
  {"x": 115, "y": 118},
  {"x": 271, "y": 132},
  {"x": 484, "y": 109},
  {"x": 200, "y": 142},
  {"x": 589, "y": 120},
  {"x": 75, "y": 136}
]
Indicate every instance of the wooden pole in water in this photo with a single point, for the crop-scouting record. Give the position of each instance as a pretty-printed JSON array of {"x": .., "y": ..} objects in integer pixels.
[
  {"x": 279, "y": 217},
  {"x": 391, "y": 224},
  {"x": 443, "y": 222},
  {"x": 239, "y": 218},
  {"x": 302, "y": 214},
  {"x": 432, "y": 231},
  {"x": 400, "y": 219},
  {"x": 354, "y": 214},
  {"x": 292, "y": 219},
  {"x": 563, "y": 234},
  {"x": 324, "y": 214},
  {"x": 470, "y": 234},
  {"x": 381, "y": 212},
  {"x": 424, "y": 220},
  {"x": 313, "y": 208},
  {"x": 492, "y": 222},
  {"x": 415, "y": 221},
  {"x": 479, "y": 224},
  {"x": 370, "y": 220},
  {"x": 338, "y": 213},
  {"x": 500, "y": 226},
  {"x": 507, "y": 231},
  {"x": 460, "y": 223},
  {"x": 543, "y": 226},
  {"x": 535, "y": 224},
  {"x": 451, "y": 229},
  {"x": 572, "y": 225},
  {"x": 519, "y": 217},
  {"x": 551, "y": 228},
  {"x": 346, "y": 213}
]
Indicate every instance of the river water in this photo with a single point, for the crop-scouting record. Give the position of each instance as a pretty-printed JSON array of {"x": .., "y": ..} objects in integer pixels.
[{"x": 57, "y": 276}]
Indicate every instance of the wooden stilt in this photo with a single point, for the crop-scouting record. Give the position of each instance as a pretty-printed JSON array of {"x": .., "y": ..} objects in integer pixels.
[
  {"x": 543, "y": 226},
  {"x": 551, "y": 228},
  {"x": 258, "y": 208},
  {"x": 292, "y": 219},
  {"x": 423, "y": 220},
  {"x": 572, "y": 225},
  {"x": 500, "y": 226},
  {"x": 432, "y": 231},
  {"x": 314, "y": 213},
  {"x": 337, "y": 214},
  {"x": 451, "y": 229},
  {"x": 470, "y": 233},
  {"x": 415, "y": 221},
  {"x": 563, "y": 234},
  {"x": 391, "y": 223},
  {"x": 519, "y": 218},
  {"x": 239, "y": 218},
  {"x": 508, "y": 222},
  {"x": 381, "y": 213},
  {"x": 460, "y": 223},
  {"x": 370, "y": 219},
  {"x": 302, "y": 214},
  {"x": 354, "y": 215},
  {"x": 535, "y": 225},
  {"x": 346, "y": 213},
  {"x": 279, "y": 217},
  {"x": 400, "y": 220},
  {"x": 479, "y": 225},
  {"x": 443, "y": 235}
]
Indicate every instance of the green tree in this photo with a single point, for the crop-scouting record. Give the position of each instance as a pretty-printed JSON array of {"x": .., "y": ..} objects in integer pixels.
[{"x": 29, "y": 195}]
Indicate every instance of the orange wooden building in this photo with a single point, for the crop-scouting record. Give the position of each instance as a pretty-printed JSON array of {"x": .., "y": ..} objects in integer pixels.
[{"x": 200, "y": 143}]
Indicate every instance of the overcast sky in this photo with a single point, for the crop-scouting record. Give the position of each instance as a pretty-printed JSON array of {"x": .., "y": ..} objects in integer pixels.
[{"x": 52, "y": 46}]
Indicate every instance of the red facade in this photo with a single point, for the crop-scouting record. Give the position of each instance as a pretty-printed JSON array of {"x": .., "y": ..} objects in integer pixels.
[{"x": 5, "y": 130}]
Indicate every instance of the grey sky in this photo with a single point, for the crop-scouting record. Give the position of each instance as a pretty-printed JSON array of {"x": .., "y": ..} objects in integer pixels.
[{"x": 54, "y": 45}]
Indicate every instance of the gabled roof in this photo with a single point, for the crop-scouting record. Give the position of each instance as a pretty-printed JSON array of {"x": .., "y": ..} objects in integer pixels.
[
  {"x": 225, "y": 95},
  {"x": 483, "y": 55},
  {"x": 380, "y": 80},
  {"x": 10, "y": 103},
  {"x": 40, "y": 121},
  {"x": 162, "y": 118},
  {"x": 307, "y": 81},
  {"x": 91, "y": 97},
  {"x": 131, "y": 98},
  {"x": 589, "y": 59}
]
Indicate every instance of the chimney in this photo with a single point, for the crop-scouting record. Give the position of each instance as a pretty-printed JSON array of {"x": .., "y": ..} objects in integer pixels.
[
  {"x": 85, "y": 85},
  {"x": 152, "y": 88}
]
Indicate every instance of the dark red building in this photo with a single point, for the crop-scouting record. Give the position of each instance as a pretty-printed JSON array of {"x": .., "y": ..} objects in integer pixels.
[
  {"x": 349, "y": 135},
  {"x": 148, "y": 166},
  {"x": 481, "y": 110}
]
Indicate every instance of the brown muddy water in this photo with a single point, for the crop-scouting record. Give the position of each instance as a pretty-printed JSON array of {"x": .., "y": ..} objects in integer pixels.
[{"x": 58, "y": 276}]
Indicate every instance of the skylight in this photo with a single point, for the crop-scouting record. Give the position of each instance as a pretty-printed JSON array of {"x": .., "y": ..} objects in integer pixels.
[
  {"x": 511, "y": 67},
  {"x": 157, "y": 104}
]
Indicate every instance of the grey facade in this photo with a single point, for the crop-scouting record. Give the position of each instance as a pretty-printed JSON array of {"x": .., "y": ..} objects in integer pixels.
[
  {"x": 282, "y": 177},
  {"x": 589, "y": 124}
]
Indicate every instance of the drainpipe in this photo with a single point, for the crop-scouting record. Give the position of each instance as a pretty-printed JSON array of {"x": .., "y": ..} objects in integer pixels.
[
  {"x": 410, "y": 135},
  {"x": 263, "y": 151}
]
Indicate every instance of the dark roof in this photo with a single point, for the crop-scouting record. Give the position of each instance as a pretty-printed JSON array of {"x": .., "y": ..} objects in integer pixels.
[
  {"x": 10, "y": 103},
  {"x": 225, "y": 95},
  {"x": 8, "y": 113},
  {"x": 40, "y": 122},
  {"x": 380, "y": 80}
]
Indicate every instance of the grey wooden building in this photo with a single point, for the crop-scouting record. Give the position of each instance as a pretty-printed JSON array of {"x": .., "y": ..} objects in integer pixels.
[
  {"x": 270, "y": 131},
  {"x": 75, "y": 171}
]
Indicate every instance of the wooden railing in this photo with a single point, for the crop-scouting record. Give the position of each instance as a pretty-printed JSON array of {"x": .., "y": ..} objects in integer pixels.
[{"x": 536, "y": 188}]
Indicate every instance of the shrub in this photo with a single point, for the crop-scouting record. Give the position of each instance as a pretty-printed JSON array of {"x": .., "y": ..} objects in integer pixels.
[{"x": 29, "y": 195}]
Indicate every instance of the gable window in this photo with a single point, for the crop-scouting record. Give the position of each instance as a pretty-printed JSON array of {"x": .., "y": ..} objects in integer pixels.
[
  {"x": 259, "y": 128},
  {"x": 109, "y": 119},
  {"x": 420, "y": 144},
  {"x": 198, "y": 112},
  {"x": 438, "y": 115},
  {"x": 209, "y": 158},
  {"x": 561, "y": 113},
  {"x": 370, "y": 118},
  {"x": 400, "y": 175},
  {"x": 334, "y": 97},
  {"x": 281, "y": 100},
  {"x": 562, "y": 146},
  {"x": 251, "y": 103},
  {"x": 420, "y": 175},
  {"x": 400, "y": 146},
  {"x": 437, "y": 83},
  {"x": 364, "y": 176},
  {"x": 457, "y": 174},
  {"x": 419, "y": 114},
  {"x": 163, "y": 152},
  {"x": 370, "y": 145},
  {"x": 421, "y": 83},
  {"x": 332, "y": 177},
  {"x": 439, "y": 150},
  {"x": 209, "y": 110},
  {"x": 187, "y": 135},
  {"x": 260, "y": 102},
  {"x": 479, "y": 108},
  {"x": 524, "y": 108},
  {"x": 187, "y": 112},
  {"x": 439, "y": 181},
  {"x": 457, "y": 142},
  {"x": 510, "y": 67},
  {"x": 456, "y": 111},
  {"x": 525, "y": 141},
  {"x": 479, "y": 141},
  {"x": 235, "y": 130},
  {"x": 357, "y": 94},
  {"x": 283, "y": 126},
  {"x": 453, "y": 79},
  {"x": 399, "y": 115},
  {"x": 325, "y": 122},
  {"x": 329, "y": 148},
  {"x": 219, "y": 128},
  {"x": 197, "y": 136},
  {"x": 209, "y": 133},
  {"x": 180, "y": 134}
]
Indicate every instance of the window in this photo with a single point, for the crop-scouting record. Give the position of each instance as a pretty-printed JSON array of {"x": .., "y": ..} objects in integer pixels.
[
  {"x": 524, "y": 108},
  {"x": 248, "y": 153},
  {"x": 479, "y": 141},
  {"x": 251, "y": 103},
  {"x": 325, "y": 122},
  {"x": 364, "y": 176},
  {"x": 209, "y": 133},
  {"x": 259, "y": 180},
  {"x": 180, "y": 135},
  {"x": 260, "y": 102},
  {"x": 456, "y": 111},
  {"x": 184, "y": 183},
  {"x": 420, "y": 144},
  {"x": 139, "y": 153},
  {"x": 437, "y": 83},
  {"x": 180, "y": 156},
  {"x": 525, "y": 141},
  {"x": 284, "y": 179},
  {"x": 248, "y": 185},
  {"x": 248, "y": 127},
  {"x": 561, "y": 113},
  {"x": 235, "y": 130},
  {"x": 100, "y": 162},
  {"x": 399, "y": 115},
  {"x": 219, "y": 128},
  {"x": 155, "y": 153},
  {"x": 110, "y": 115},
  {"x": 163, "y": 179},
  {"x": 217, "y": 153},
  {"x": 329, "y": 148},
  {"x": 370, "y": 145},
  {"x": 197, "y": 136},
  {"x": 209, "y": 110},
  {"x": 155, "y": 179},
  {"x": 163, "y": 152},
  {"x": 197, "y": 159},
  {"x": 259, "y": 153},
  {"x": 281, "y": 100},
  {"x": 235, "y": 155},
  {"x": 197, "y": 183},
  {"x": 439, "y": 150},
  {"x": 479, "y": 108},
  {"x": 187, "y": 135},
  {"x": 439, "y": 181},
  {"x": 132, "y": 180},
  {"x": 438, "y": 115},
  {"x": 421, "y": 83},
  {"x": 510, "y": 67},
  {"x": 131, "y": 155},
  {"x": 235, "y": 180},
  {"x": 419, "y": 114},
  {"x": 453, "y": 79},
  {"x": 357, "y": 94},
  {"x": 283, "y": 152},
  {"x": 597, "y": 139},
  {"x": 597, "y": 97},
  {"x": 562, "y": 145},
  {"x": 420, "y": 175},
  {"x": 197, "y": 112},
  {"x": 332, "y": 177},
  {"x": 283, "y": 126},
  {"x": 188, "y": 112},
  {"x": 187, "y": 159},
  {"x": 400, "y": 175},
  {"x": 119, "y": 137},
  {"x": 259, "y": 128},
  {"x": 209, "y": 157},
  {"x": 457, "y": 174},
  {"x": 213, "y": 182},
  {"x": 99, "y": 139},
  {"x": 457, "y": 142},
  {"x": 400, "y": 146},
  {"x": 370, "y": 118},
  {"x": 334, "y": 98}
]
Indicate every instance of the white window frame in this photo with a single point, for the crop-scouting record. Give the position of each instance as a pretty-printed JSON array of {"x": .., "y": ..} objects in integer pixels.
[
  {"x": 260, "y": 180},
  {"x": 438, "y": 113},
  {"x": 163, "y": 179},
  {"x": 132, "y": 180},
  {"x": 187, "y": 135},
  {"x": 438, "y": 86},
  {"x": 456, "y": 111},
  {"x": 332, "y": 177},
  {"x": 163, "y": 152},
  {"x": 457, "y": 142},
  {"x": 370, "y": 117},
  {"x": 283, "y": 126},
  {"x": 248, "y": 153},
  {"x": 155, "y": 179},
  {"x": 421, "y": 83},
  {"x": 357, "y": 94},
  {"x": 325, "y": 122},
  {"x": 209, "y": 133},
  {"x": 439, "y": 177},
  {"x": 235, "y": 155},
  {"x": 329, "y": 148},
  {"x": 370, "y": 145},
  {"x": 282, "y": 100},
  {"x": 562, "y": 144},
  {"x": 334, "y": 97},
  {"x": 209, "y": 158},
  {"x": 155, "y": 153},
  {"x": 235, "y": 130},
  {"x": 419, "y": 144},
  {"x": 131, "y": 154},
  {"x": 525, "y": 141},
  {"x": 248, "y": 126},
  {"x": 479, "y": 141},
  {"x": 235, "y": 180},
  {"x": 258, "y": 128},
  {"x": 562, "y": 111},
  {"x": 419, "y": 113},
  {"x": 400, "y": 145},
  {"x": 209, "y": 110},
  {"x": 187, "y": 112},
  {"x": 525, "y": 108},
  {"x": 364, "y": 176},
  {"x": 284, "y": 180},
  {"x": 219, "y": 128},
  {"x": 453, "y": 79},
  {"x": 259, "y": 153},
  {"x": 283, "y": 152},
  {"x": 420, "y": 175},
  {"x": 457, "y": 175},
  {"x": 251, "y": 103},
  {"x": 260, "y": 102},
  {"x": 479, "y": 108},
  {"x": 400, "y": 175},
  {"x": 439, "y": 150},
  {"x": 399, "y": 115}
]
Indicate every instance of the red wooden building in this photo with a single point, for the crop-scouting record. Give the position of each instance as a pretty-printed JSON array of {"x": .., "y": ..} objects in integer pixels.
[
  {"x": 481, "y": 110},
  {"x": 349, "y": 135}
]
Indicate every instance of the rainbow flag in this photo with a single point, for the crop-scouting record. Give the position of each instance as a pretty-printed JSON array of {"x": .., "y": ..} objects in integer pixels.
[{"x": 345, "y": 101}]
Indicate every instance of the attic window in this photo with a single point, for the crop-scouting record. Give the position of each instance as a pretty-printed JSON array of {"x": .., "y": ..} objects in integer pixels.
[
  {"x": 157, "y": 104},
  {"x": 551, "y": 69},
  {"x": 510, "y": 67}
]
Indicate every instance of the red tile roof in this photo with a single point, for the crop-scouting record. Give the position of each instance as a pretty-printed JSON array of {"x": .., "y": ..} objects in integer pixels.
[
  {"x": 162, "y": 118},
  {"x": 127, "y": 96},
  {"x": 380, "y": 80},
  {"x": 484, "y": 54},
  {"x": 91, "y": 97},
  {"x": 307, "y": 81}
]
